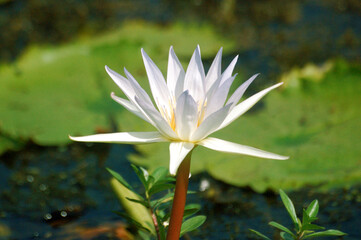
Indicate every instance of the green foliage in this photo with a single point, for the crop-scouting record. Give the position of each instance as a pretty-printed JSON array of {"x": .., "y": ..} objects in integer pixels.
[
  {"x": 314, "y": 120},
  {"x": 304, "y": 229},
  {"x": 155, "y": 205},
  {"x": 192, "y": 224},
  {"x": 51, "y": 92}
]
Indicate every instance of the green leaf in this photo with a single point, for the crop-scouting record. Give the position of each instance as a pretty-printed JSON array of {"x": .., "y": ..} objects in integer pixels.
[
  {"x": 281, "y": 227},
  {"x": 192, "y": 224},
  {"x": 159, "y": 174},
  {"x": 191, "y": 209},
  {"x": 312, "y": 227},
  {"x": 160, "y": 187},
  {"x": 120, "y": 178},
  {"x": 140, "y": 174},
  {"x": 132, "y": 221},
  {"x": 326, "y": 233},
  {"x": 134, "y": 210},
  {"x": 259, "y": 234},
  {"x": 289, "y": 206},
  {"x": 72, "y": 80},
  {"x": 142, "y": 202},
  {"x": 312, "y": 209},
  {"x": 166, "y": 198},
  {"x": 286, "y": 236}
]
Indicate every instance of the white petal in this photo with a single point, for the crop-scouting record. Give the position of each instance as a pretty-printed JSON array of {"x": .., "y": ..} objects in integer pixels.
[
  {"x": 122, "y": 137},
  {"x": 237, "y": 95},
  {"x": 243, "y": 107},
  {"x": 130, "y": 107},
  {"x": 159, "y": 122},
  {"x": 224, "y": 77},
  {"x": 225, "y": 146},
  {"x": 210, "y": 124},
  {"x": 122, "y": 83},
  {"x": 214, "y": 71},
  {"x": 139, "y": 91},
  {"x": 195, "y": 77},
  {"x": 175, "y": 74},
  {"x": 156, "y": 81},
  {"x": 218, "y": 98},
  {"x": 186, "y": 116},
  {"x": 178, "y": 151},
  {"x": 229, "y": 70}
]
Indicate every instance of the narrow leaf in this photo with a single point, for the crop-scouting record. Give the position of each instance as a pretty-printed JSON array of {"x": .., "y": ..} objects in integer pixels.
[
  {"x": 144, "y": 203},
  {"x": 312, "y": 227},
  {"x": 259, "y": 234},
  {"x": 326, "y": 233},
  {"x": 312, "y": 209},
  {"x": 140, "y": 176},
  {"x": 132, "y": 221},
  {"x": 191, "y": 209},
  {"x": 159, "y": 173},
  {"x": 281, "y": 227},
  {"x": 119, "y": 178},
  {"x": 159, "y": 187},
  {"x": 192, "y": 224},
  {"x": 286, "y": 236},
  {"x": 289, "y": 206}
]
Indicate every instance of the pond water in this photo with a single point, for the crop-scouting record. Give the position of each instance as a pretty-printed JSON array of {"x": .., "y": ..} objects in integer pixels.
[{"x": 63, "y": 193}]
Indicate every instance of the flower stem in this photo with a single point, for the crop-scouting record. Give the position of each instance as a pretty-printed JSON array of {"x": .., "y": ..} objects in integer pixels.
[{"x": 179, "y": 201}]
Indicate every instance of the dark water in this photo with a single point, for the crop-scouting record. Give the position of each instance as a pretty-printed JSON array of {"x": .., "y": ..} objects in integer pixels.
[{"x": 63, "y": 193}]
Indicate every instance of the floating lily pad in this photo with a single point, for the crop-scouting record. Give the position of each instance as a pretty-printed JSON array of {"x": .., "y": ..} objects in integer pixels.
[
  {"x": 52, "y": 92},
  {"x": 315, "y": 121}
]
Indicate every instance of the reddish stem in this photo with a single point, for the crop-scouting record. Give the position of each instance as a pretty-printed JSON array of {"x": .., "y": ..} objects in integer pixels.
[{"x": 179, "y": 201}]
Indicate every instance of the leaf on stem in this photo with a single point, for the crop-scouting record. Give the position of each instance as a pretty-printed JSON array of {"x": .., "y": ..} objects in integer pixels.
[
  {"x": 281, "y": 227},
  {"x": 326, "y": 233},
  {"x": 312, "y": 209},
  {"x": 120, "y": 179},
  {"x": 192, "y": 224},
  {"x": 259, "y": 234},
  {"x": 289, "y": 206}
]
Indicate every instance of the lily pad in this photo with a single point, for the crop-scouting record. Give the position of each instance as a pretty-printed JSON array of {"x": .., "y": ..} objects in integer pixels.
[
  {"x": 52, "y": 92},
  {"x": 316, "y": 122}
]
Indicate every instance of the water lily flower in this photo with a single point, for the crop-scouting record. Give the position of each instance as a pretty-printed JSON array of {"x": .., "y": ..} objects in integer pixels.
[{"x": 189, "y": 106}]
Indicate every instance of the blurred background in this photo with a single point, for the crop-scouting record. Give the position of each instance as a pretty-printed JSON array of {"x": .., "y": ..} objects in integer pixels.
[{"x": 53, "y": 83}]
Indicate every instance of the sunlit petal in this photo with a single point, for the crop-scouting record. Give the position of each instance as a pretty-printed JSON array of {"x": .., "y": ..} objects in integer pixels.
[
  {"x": 195, "y": 77},
  {"x": 225, "y": 146},
  {"x": 122, "y": 83},
  {"x": 237, "y": 95},
  {"x": 244, "y": 106},
  {"x": 156, "y": 81},
  {"x": 186, "y": 115},
  {"x": 178, "y": 151},
  {"x": 130, "y": 107},
  {"x": 159, "y": 122},
  {"x": 175, "y": 75},
  {"x": 122, "y": 137},
  {"x": 229, "y": 70},
  {"x": 210, "y": 124},
  {"x": 214, "y": 71},
  {"x": 217, "y": 100}
]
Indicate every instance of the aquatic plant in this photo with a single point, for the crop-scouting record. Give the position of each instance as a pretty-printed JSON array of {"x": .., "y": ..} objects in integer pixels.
[
  {"x": 190, "y": 106},
  {"x": 302, "y": 229}
]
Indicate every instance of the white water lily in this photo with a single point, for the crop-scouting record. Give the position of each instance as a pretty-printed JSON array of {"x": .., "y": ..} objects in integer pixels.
[{"x": 189, "y": 106}]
